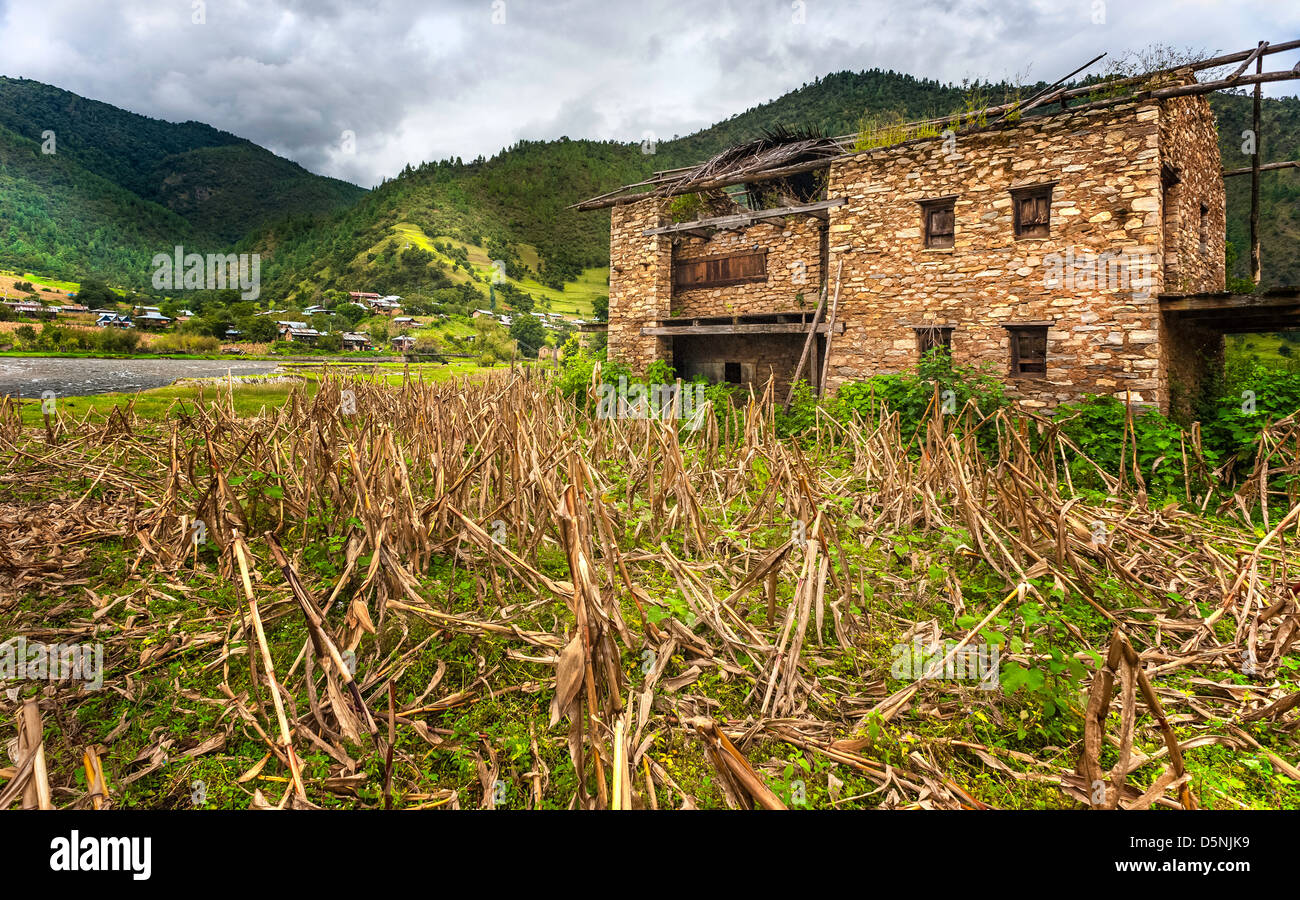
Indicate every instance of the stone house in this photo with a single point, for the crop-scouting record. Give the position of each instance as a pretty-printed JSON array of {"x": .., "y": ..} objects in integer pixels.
[
  {"x": 356, "y": 341},
  {"x": 1075, "y": 252}
]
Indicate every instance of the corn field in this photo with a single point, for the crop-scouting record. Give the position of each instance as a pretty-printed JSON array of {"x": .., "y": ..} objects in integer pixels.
[{"x": 672, "y": 614}]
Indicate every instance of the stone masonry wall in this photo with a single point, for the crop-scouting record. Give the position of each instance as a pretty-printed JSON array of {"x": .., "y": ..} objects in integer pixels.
[
  {"x": 1106, "y": 200},
  {"x": 1095, "y": 278},
  {"x": 640, "y": 283},
  {"x": 793, "y": 268},
  {"x": 1189, "y": 143},
  {"x": 1194, "y": 247}
]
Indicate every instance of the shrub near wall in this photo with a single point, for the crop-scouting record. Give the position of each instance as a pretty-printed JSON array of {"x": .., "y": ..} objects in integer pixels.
[
  {"x": 960, "y": 390},
  {"x": 1253, "y": 396},
  {"x": 1116, "y": 438}
]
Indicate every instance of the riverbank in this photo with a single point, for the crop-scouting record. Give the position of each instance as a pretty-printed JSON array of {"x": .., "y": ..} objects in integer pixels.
[
  {"x": 34, "y": 377},
  {"x": 250, "y": 396},
  {"x": 29, "y": 377},
  {"x": 234, "y": 357}
]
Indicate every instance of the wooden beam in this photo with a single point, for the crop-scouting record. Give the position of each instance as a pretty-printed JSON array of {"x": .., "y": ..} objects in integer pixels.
[
  {"x": 1254, "y": 171},
  {"x": 742, "y": 328},
  {"x": 1046, "y": 95},
  {"x": 813, "y": 368},
  {"x": 807, "y": 344},
  {"x": 740, "y": 220},
  {"x": 1247, "y": 325},
  {"x": 1222, "y": 302},
  {"x": 1206, "y": 87},
  {"x": 1255, "y": 54},
  {"x": 830, "y": 333},
  {"x": 1267, "y": 167}
]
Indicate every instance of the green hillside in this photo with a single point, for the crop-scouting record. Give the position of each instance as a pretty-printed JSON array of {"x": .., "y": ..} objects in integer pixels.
[
  {"x": 519, "y": 196},
  {"x": 221, "y": 184},
  {"x": 476, "y": 269},
  {"x": 57, "y": 217},
  {"x": 144, "y": 183},
  {"x": 512, "y": 207}
]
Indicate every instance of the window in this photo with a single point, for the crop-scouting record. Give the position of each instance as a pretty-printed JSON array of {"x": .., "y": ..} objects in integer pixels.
[
  {"x": 1028, "y": 349},
  {"x": 731, "y": 372},
  {"x": 720, "y": 271},
  {"x": 1032, "y": 210},
  {"x": 1205, "y": 229},
  {"x": 1171, "y": 199},
  {"x": 938, "y": 218},
  {"x": 932, "y": 337}
]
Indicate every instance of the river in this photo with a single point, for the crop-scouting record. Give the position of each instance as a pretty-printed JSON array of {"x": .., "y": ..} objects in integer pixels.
[{"x": 29, "y": 376}]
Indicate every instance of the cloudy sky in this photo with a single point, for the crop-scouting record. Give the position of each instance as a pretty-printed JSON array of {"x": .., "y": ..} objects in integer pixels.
[{"x": 427, "y": 79}]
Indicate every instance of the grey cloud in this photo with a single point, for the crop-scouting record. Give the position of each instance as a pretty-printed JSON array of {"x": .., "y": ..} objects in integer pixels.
[{"x": 416, "y": 80}]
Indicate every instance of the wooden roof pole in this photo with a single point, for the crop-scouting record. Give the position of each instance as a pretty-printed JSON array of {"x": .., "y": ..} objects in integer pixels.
[
  {"x": 1043, "y": 96},
  {"x": 1267, "y": 167},
  {"x": 830, "y": 334},
  {"x": 1255, "y": 267},
  {"x": 807, "y": 344}
]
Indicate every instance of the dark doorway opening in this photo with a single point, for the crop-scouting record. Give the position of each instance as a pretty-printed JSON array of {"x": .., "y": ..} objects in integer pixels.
[{"x": 731, "y": 372}]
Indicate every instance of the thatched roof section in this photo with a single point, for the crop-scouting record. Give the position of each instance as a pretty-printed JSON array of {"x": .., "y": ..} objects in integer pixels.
[{"x": 777, "y": 147}]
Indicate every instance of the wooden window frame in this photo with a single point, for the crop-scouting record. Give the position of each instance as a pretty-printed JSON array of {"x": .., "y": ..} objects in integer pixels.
[
  {"x": 935, "y": 335},
  {"x": 1032, "y": 230},
  {"x": 1018, "y": 360},
  {"x": 938, "y": 241},
  {"x": 678, "y": 264}
]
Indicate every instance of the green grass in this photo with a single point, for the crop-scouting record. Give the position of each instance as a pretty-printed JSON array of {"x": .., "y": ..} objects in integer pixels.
[
  {"x": 249, "y": 399},
  {"x": 1271, "y": 349},
  {"x": 574, "y": 300},
  {"x": 42, "y": 281}
]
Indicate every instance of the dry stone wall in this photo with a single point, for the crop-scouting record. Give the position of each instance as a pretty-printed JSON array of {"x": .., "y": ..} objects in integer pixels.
[
  {"x": 640, "y": 283},
  {"x": 1105, "y": 222},
  {"x": 1094, "y": 280}
]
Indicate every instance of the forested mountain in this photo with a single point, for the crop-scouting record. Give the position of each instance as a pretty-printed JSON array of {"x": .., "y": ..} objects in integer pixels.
[
  {"x": 315, "y": 232},
  {"x": 119, "y": 186},
  {"x": 520, "y": 195},
  {"x": 224, "y": 185},
  {"x": 60, "y": 219}
]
